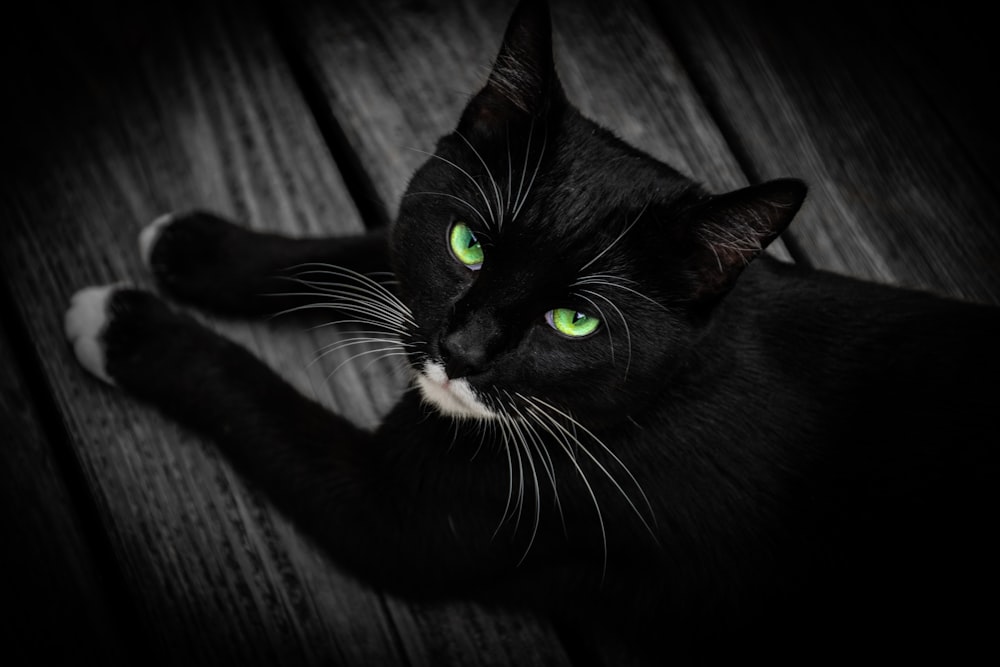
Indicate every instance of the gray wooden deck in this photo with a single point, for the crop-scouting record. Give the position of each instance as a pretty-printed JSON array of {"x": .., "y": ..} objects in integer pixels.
[{"x": 125, "y": 538}]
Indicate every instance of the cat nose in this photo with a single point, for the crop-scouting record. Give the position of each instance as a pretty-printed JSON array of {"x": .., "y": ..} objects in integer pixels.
[{"x": 462, "y": 354}]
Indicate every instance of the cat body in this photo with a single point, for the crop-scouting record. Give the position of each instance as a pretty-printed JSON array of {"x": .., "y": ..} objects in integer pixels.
[{"x": 622, "y": 412}]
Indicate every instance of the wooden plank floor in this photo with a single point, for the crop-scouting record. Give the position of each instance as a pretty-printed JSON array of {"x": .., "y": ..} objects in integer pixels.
[{"x": 129, "y": 540}]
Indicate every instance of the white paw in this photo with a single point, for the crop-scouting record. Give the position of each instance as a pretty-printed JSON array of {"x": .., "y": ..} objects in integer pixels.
[
  {"x": 84, "y": 324},
  {"x": 150, "y": 234}
]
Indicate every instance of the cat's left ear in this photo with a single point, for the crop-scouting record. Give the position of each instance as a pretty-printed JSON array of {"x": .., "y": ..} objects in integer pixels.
[
  {"x": 726, "y": 232},
  {"x": 523, "y": 83}
]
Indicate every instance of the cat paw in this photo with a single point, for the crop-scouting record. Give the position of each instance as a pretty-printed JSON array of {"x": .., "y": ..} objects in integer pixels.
[
  {"x": 183, "y": 249},
  {"x": 119, "y": 333},
  {"x": 85, "y": 322},
  {"x": 150, "y": 234},
  {"x": 199, "y": 258}
]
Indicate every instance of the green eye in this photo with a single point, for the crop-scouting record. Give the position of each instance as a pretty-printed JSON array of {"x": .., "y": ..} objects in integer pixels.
[
  {"x": 571, "y": 322},
  {"x": 466, "y": 246}
]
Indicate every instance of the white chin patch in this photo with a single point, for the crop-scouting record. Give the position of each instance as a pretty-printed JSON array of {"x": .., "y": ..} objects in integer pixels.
[{"x": 454, "y": 398}]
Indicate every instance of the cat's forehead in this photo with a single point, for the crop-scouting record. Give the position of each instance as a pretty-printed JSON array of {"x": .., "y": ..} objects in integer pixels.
[
  {"x": 560, "y": 181},
  {"x": 568, "y": 190},
  {"x": 583, "y": 198}
]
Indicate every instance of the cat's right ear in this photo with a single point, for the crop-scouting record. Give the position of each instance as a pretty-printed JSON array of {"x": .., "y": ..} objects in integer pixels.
[
  {"x": 724, "y": 233},
  {"x": 523, "y": 83}
]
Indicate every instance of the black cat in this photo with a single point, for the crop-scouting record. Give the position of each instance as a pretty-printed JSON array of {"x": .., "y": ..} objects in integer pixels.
[{"x": 625, "y": 413}]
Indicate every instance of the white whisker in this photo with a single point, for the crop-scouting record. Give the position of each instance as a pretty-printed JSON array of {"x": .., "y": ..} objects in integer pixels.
[
  {"x": 537, "y": 414},
  {"x": 510, "y": 473},
  {"x": 611, "y": 340},
  {"x": 370, "y": 285},
  {"x": 332, "y": 323},
  {"x": 519, "y": 502},
  {"x": 510, "y": 176},
  {"x": 605, "y": 276},
  {"x": 482, "y": 192},
  {"x": 628, "y": 334},
  {"x": 394, "y": 350},
  {"x": 336, "y": 346},
  {"x": 450, "y": 196},
  {"x": 489, "y": 174},
  {"x": 617, "y": 239},
  {"x": 382, "y": 308},
  {"x": 544, "y": 457},
  {"x": 524, "y": 168},
  {"x": 587, "y": 281},
  {"x": 539, "y": 403},
  {"x": 541, "y": 156},
  {"x": 350, "y": 307},
  {"x": 522, "y": 438},
  {"x": 399, "y": 365}
]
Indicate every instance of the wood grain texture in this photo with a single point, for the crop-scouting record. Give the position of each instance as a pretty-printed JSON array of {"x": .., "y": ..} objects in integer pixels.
[
  {"x": 55, "y": 600},
  {"x": 397, "y": 74},
  {"x": 834, "y": 93},
  {"x": 143, "y": 112},
  {"x": 947, "y": 58}
]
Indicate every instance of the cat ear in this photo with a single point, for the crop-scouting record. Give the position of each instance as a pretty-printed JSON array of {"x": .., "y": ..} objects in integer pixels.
[
  {"x": 523, "y": 83},
  {"x": 726, "y": 232}
]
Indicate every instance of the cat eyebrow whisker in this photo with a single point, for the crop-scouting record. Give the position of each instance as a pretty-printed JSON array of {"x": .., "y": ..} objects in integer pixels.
[
  {"x": 628, "y": 334},
  {"x": 589, "y": 281},
  {"x": 496, "y": 189},
  {"x": 482, "y": 192},
  {"x": 618, "y": 238},
  {"x": 451, "y": 196},
  {"x": 510, "y": 174},
  {"x": 541, "y": 156},
  {"x": 524, "y": 168},
  {"x": 611, "y": 339},
  {"x": 604, "y": 276}
]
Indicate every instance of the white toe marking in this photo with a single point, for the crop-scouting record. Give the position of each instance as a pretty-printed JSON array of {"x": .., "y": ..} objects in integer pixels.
[
  {"x": 151, "y": 233},
  {"x": 85, "y": 321}
]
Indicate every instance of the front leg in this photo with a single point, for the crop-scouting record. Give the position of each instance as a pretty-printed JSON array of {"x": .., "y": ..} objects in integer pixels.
[
  {"x": 220, "y": 266},
  {"x": 132, "y": 339},
  {"x": 327, "y": 475}
]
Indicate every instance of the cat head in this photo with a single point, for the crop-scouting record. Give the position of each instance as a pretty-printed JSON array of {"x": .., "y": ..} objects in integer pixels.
[{"x": 548, "y": 263}]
